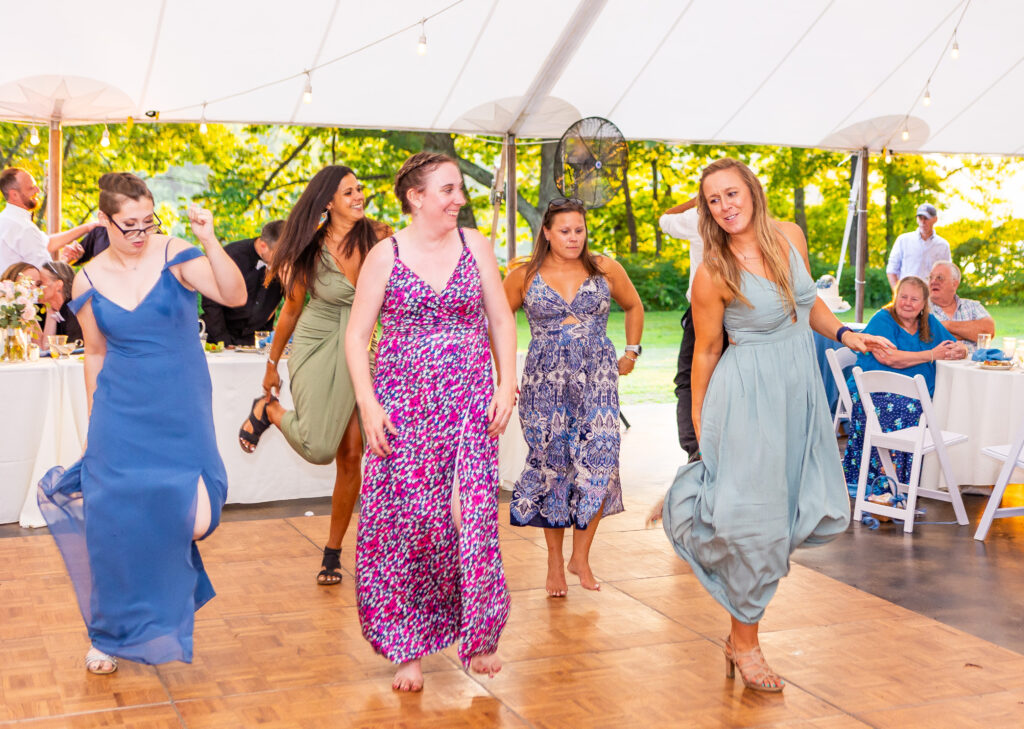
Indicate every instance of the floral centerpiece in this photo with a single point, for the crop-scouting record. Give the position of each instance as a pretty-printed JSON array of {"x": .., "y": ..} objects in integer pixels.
[{"x": 17, "y": 313}]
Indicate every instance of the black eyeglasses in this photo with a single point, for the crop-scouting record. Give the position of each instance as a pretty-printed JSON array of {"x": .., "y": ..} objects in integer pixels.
[
  {"x": 137, "y": 233},
  {"x": 562, "y": 202}
]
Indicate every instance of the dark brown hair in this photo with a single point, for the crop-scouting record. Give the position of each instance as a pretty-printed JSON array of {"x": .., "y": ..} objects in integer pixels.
[
  {"x": 64, "y": 272},
  {"x": 414, "y": 172},
  {"x": 116, "y": 187},
  {"x": 15, "y": 270},
  {"x": 924, "y": 332},
  {"x": 9, "y": 180},
  {"x": 542, "y": 246},
  {"x": 298, "y": 249}
]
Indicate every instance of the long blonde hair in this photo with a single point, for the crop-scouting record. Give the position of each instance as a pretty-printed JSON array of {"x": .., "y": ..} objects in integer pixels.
[
  {"x": 924, "y": 331},
  {"x": 721, "y": 262}
]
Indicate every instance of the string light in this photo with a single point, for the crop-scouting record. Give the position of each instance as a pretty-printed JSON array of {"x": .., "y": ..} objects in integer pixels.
[
  {"x": 905, "y": 134},
  {"x": 34, "y": 138},
  {"x": 307, "y": 93},
  {"x": 955, "y": 53},
  {"x": 421, "y": 47},
  {"x": 927, "y": 100},
  {"x": 105, "y": 137},
  {"x": 202, "y": 120}
]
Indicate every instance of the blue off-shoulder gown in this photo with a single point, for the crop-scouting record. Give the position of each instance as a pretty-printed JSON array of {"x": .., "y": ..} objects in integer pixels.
[
  {"x": 770, "y": 479},
  {"x": 123, "y": 516}
]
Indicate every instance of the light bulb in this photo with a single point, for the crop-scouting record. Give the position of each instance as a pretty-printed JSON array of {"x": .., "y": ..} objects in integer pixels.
[
  {"x": 421, "y": 47},
  {"x": 105, "y": 138},
  {"x": 307, "y": 94},
  {"x": 905, "y": 135},
  {"x": 955, "y": 53},
  {"x": 927, "y": 100},
  {"x": 34, "y": 139},
  {"x": 202, "y": 127}
]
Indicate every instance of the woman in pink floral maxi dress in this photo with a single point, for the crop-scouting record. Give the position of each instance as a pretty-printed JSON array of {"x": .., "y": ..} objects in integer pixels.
[{"x": 428, "y": 563}]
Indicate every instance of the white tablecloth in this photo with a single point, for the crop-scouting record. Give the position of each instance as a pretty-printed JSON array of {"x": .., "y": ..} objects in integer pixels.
[
  {"x": 512, "y": 448},
  {"x": 987, "y": 406},
  {"x": 46, "y": 421}
]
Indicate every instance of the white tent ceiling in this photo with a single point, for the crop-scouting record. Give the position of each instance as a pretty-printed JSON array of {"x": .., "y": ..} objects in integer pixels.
[{"x": 833, "y": 73}]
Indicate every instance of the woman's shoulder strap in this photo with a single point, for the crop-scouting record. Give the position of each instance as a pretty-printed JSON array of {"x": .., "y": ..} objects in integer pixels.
[
  {"x": 186, "y": 254},
  {"x": 394, "y": 246}
]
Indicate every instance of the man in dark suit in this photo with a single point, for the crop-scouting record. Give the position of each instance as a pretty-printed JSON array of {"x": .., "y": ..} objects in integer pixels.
[{"x": 236, "y": 326}]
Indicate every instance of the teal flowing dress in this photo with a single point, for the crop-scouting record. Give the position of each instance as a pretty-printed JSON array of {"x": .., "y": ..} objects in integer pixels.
[{"x": 770, "y": 478}]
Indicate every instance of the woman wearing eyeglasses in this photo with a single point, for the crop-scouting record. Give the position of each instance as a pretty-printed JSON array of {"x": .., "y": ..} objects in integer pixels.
[
  {"x": 151, "y": 483},
  {"x": 569, "y": 405}
]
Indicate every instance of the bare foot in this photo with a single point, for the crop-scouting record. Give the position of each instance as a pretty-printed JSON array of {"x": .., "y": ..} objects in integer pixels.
[
  {"x": 408, "y": 677},
  {"x": 488, "y": 663},
  {"x": 582, "y": 570},
  {"x": 556, "y": 585}
]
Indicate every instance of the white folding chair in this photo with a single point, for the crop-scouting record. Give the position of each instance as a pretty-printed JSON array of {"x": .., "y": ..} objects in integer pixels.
[
  {"x": 1010, "y": 455},
  {"x": 919, "y": 440},
  {"x": 838, "y": 360}
]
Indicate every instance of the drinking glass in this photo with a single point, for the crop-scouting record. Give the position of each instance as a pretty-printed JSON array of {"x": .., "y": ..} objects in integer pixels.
[
  {"x": 984, "y": 341},
  {"x": 1009, "y": 346},
  {"x": 57, "y": 342},
  {"x": 261, "y": 340}
]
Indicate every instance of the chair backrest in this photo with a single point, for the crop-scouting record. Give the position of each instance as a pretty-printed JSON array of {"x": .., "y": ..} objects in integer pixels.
[
  {"x": 884, "y": 381},
  {"x": 838, "y": 360}
]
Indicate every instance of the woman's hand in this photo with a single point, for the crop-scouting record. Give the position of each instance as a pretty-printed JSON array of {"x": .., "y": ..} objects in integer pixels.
[
  {"x": 377, "y": 425},
  {"x": 201, "y": 221},
  {"x": 271, "y": 380},
  {"x": 860, "y": 342},
  {"x": 948, "y": 350},
  {"x": 626, "y": 365},
  {"x": 500, "y": 410}
]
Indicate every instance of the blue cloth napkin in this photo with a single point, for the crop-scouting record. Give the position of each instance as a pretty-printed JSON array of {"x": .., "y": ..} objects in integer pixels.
[{"x": 983, "y": 355}]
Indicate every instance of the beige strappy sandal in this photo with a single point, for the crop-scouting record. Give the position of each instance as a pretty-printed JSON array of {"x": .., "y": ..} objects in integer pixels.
[
  {"x": 95, "y": 658},
  {"x": 754, "y": 670}
]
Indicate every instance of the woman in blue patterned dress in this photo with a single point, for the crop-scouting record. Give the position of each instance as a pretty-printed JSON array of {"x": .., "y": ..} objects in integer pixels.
[
  {"x": 920, "y": 340},
  {"x": 569, "y": 407}
]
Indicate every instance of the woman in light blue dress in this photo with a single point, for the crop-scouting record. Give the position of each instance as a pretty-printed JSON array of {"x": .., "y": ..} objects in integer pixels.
[
  {"x": 770, "y": 478},
  {"x": 127, "y": 515}
]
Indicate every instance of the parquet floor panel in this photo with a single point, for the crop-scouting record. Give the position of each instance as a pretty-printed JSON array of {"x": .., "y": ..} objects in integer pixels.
[{"x": 276, "y": 651}]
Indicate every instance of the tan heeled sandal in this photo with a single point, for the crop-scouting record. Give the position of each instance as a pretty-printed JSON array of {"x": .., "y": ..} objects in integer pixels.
[{"x": 754, "y": 670}]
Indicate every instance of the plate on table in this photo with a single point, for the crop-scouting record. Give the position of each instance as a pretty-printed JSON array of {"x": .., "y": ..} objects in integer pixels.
[
  {"x": 250, "y": 349},
  {"x": 995, "y": 364}
]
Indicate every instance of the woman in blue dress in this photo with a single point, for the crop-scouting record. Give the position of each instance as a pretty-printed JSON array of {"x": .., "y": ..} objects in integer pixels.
[
  {"x": 150, "y": 483},
  {"x": 769, "y": 479},
  {"x": 569, "y": 407},
  {"x": 920, "y": 340}
]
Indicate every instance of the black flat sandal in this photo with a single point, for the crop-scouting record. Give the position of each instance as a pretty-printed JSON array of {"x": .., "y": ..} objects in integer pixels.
[
  {"x": 330, "y": 575},
  {"x": 259, "y": 426}
]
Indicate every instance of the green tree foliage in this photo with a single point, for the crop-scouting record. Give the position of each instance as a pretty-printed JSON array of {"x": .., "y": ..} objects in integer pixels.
[{"x": 251, "y": 174}]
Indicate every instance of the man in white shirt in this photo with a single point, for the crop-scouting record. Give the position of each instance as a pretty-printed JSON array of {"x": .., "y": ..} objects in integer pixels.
[
  {"x": 20, "y": 239},
  {"x": 681, "y": 222},
  {"x": 914, "y": 253}
]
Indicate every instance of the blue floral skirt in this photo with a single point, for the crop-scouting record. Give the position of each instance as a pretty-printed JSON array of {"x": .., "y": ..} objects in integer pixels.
[{"x": 895, "y": 412}]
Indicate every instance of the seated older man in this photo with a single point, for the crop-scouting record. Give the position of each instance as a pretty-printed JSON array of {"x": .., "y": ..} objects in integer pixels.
[{"x": 965, "y": 319}]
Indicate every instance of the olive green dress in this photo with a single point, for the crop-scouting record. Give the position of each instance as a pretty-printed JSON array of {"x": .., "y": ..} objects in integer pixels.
[{"x": 320, "y": 383}]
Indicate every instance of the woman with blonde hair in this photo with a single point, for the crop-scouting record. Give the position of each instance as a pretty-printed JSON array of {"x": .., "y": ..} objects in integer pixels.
[{"x": 769, "y": 479}]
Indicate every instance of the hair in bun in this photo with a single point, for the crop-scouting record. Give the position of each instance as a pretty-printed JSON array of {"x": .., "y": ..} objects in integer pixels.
[
  {"x": 413, "y": 174},
  {"x": 116, "y": 187}
]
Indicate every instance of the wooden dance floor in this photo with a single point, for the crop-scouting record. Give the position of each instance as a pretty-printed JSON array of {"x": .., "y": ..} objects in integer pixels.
[{"x": 274, "y": 650}]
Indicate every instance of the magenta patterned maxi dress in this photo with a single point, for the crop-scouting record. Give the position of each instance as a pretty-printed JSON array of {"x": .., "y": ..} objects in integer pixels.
[{"x": 421, "y": 584}]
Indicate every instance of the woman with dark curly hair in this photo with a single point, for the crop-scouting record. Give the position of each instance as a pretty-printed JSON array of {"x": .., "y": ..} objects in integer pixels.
[{"x": 321, "y": 249}]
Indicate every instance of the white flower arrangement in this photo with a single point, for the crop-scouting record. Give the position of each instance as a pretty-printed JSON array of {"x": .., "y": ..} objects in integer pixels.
[{"x": 18, "y": 303}]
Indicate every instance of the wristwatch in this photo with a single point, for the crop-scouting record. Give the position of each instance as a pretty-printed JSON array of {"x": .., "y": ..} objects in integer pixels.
[{"x": 635, "y": 348}]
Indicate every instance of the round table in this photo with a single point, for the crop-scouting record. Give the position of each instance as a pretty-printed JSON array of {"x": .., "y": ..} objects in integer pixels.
[{"x": 985, "y": 405}]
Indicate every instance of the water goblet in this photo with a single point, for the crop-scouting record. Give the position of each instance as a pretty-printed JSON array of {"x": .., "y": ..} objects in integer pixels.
[
  {"x": 1009, "y": 346},
  {"x": 261, "y": 338}
]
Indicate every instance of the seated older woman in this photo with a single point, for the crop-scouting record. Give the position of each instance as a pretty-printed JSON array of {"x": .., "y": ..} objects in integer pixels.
[
  {"x": 920, "y": 341},
  {"x": 57, "y": 278}
]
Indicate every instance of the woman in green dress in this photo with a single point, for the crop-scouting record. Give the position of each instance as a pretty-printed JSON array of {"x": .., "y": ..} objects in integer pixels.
[{"x": 325, "y": 239}]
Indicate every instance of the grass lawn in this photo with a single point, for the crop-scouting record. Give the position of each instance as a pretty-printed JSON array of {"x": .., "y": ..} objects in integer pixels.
[{"x": 651, "y": 380}]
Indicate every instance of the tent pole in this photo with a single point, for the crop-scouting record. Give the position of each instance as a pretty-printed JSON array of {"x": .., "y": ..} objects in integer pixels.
[
  {"x": 510, "y": 195},
  {"x": 497, "y": 192},
  {"x": 862, "y": 235},
  {"x": 55, "y": 182}
]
